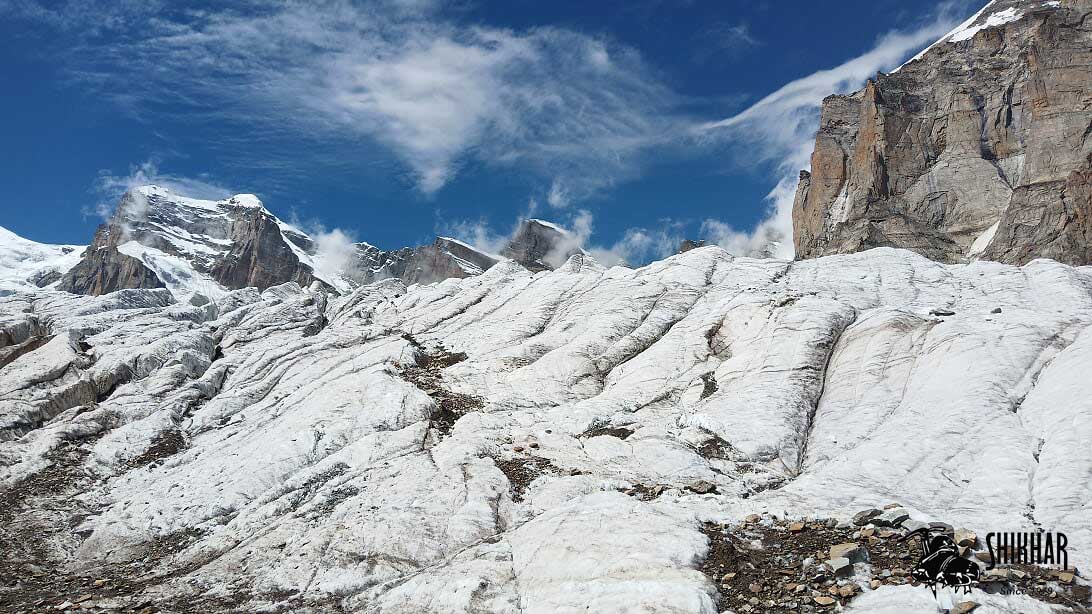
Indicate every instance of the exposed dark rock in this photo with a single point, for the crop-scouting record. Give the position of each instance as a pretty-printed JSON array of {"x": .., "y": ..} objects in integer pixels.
[
  {"x": 539, "y": 246},
  {"x": 104, "y": 269},
  {"x": 688, "y": 245}
]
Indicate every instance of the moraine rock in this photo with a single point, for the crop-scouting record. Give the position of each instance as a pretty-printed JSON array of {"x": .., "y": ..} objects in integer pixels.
[{"x": 978, "y": 148}]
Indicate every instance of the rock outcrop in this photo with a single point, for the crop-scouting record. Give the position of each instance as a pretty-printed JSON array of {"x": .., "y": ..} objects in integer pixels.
[
  {"x": 104, "y": 269},
  {"x": 979, "y": 148}
]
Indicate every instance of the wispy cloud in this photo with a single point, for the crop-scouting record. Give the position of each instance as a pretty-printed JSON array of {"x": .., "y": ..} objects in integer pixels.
[
  {"x": 722, "y": 38},
  {"x": 109, "y": 187},
  {"x": 780, "y": 129},
  {"x": 636, "y": 247},
  {"x": 437, "y": 93}
]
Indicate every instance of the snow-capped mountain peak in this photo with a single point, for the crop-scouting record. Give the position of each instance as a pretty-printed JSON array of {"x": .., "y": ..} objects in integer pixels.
[{"x": 159, "y": 238}]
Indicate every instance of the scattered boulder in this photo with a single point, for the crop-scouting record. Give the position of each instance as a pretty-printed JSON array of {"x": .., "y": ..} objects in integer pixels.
[
  {"x": 963, "y": 537},
  {"x": 840, "y": 567},
  {"x": 851, "y": 551},
  {"x": 892, "y": 518},
  {"x": 912, "y": 525},
  {"x": 865, "y": 516},
  {"x": 702, "y": 487}
]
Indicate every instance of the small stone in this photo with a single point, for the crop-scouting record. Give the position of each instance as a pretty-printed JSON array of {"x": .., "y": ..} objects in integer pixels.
[
  {"x": 517, "y": 448},
  {"x": 941, "y": 312},
  {"x": 963, "y": 607},
  {"x": 851, "y": 551},
  {"x": 1018, "y": 574},
  {"x": 891, "y": 506},
  {"x": 995, "y": 575},
  {"x": 996, "y": 310},
  {"x": 868, "y": 532},
  {"x": 83, "y": 598},
  {"x": 755, "y": 587},
  {"x": 963, "y": 537},
  {"x": 727, "y": 577},
  {"x": 800, "y": 588},
  {"x": 892, "y": 518},
  {"x": 824, "y": 601},
  {"x": 64, "y": 605},
  {"x": 864, "y": 517},
  {"x": 796, "y": 527},
  {"x": 100, "y": 582},
  {"x": 703, "y": 487},
  {"x": 753, "y": 518},
  {"x": 840, "y": 566},
  {"x": 913, "y": 525},
  {"x": 533, "y": 444},
  {"x": 875, "y": 584},
  {"x": 1066, "y": 577},
  {"x": 848, "y": 590}
]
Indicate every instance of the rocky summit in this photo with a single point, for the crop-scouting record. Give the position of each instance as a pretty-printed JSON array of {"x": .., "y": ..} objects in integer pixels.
[{"x": 979, "y": 148}]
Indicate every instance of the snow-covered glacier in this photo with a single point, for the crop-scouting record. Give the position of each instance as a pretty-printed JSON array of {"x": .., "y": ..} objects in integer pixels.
[{"x": 532, "y": 442}]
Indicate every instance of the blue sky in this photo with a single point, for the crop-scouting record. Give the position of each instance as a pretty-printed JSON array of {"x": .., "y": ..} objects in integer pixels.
[{"x": 633, "y": 123}]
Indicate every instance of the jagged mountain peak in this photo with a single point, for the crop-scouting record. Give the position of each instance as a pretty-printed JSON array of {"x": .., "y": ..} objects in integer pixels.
[{"x": 540, "y": 245}]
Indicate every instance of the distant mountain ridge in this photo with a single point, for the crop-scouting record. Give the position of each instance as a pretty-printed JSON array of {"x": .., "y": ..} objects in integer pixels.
[{"x": 159, "y": 239}]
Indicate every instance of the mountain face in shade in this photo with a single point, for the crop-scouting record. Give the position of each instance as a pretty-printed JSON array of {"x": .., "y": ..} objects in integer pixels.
[
  {"x": 540, "y": 245},
  {"x": 979, "y": 148}
]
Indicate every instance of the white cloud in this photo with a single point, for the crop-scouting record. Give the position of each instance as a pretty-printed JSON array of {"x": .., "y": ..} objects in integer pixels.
[
  {"x": 780, "y": 129},
  {"x": 558, "y": 197},
  {"x": 637, "y": 246},
  {"x": 478, "y": 233},
  {"x": 334, "y": 252},
  {"x": 110, "y": 187},
  {"x": 436, "y": 93}
]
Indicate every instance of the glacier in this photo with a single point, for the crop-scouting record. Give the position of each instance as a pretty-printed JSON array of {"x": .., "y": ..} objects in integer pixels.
[{"x": 281, "y": 450}]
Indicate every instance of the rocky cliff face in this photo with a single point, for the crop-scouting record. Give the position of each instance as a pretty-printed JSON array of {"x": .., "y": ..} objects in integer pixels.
[
  {"x": 104, "y": 269},
  {"x": 979, "y": 148}
]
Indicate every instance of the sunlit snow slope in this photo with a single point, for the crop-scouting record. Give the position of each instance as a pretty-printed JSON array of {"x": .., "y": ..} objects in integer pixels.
[{"x": 304, "y": 468}]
